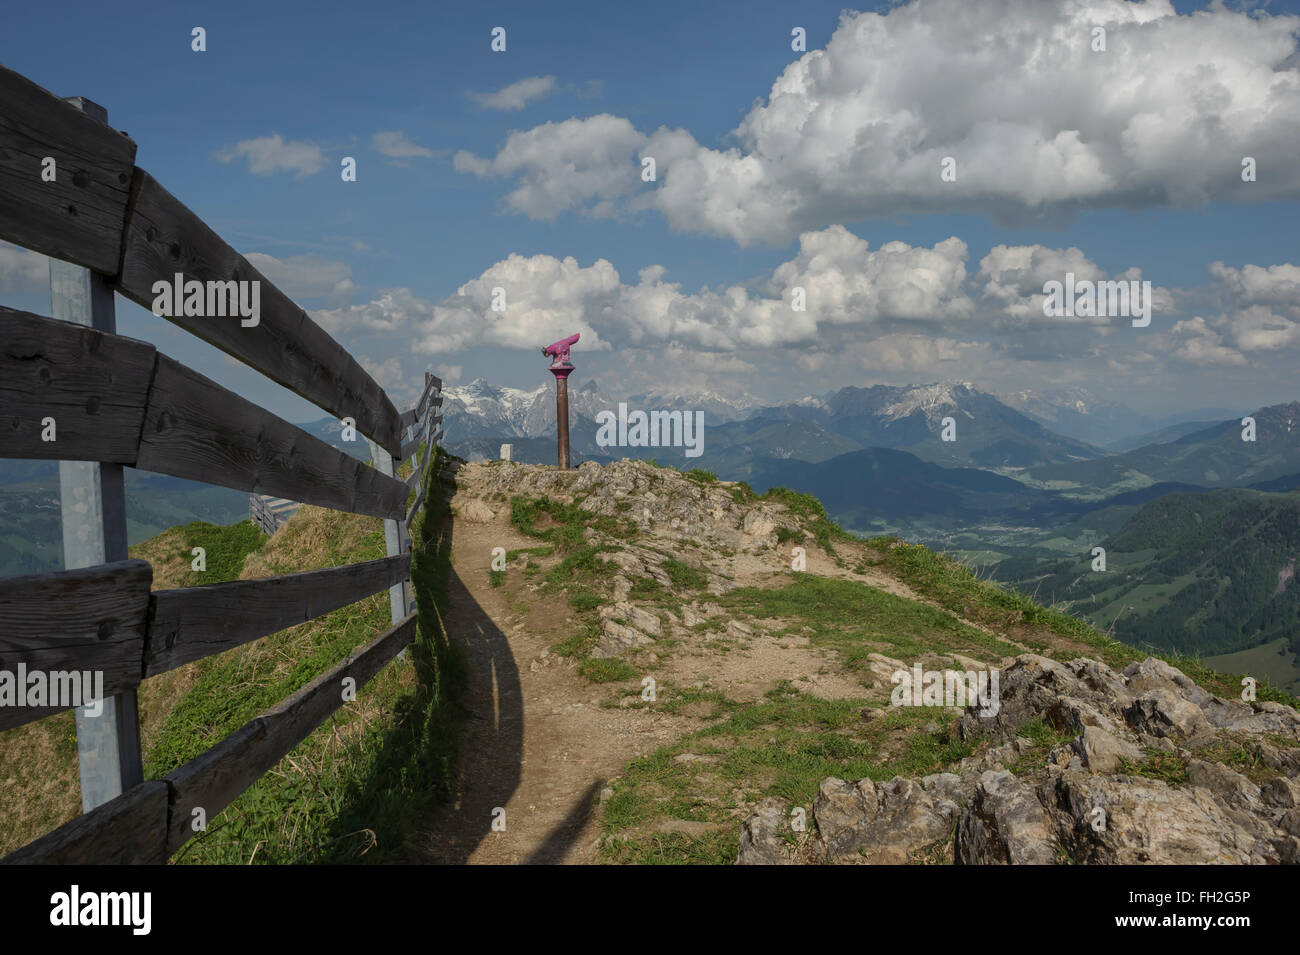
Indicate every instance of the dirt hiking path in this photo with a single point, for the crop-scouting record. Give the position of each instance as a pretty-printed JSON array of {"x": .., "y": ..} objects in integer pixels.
[{"x": 537, "y": 741}]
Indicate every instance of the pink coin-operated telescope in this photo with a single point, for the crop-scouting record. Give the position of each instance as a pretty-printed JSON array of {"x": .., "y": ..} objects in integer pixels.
[
  {"x": 561, "y": 368},
  {"x": 560, "y": 351}
]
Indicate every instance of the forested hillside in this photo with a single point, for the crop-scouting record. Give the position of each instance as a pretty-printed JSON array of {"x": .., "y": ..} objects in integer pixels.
[{"x": 1203, "y": 573}]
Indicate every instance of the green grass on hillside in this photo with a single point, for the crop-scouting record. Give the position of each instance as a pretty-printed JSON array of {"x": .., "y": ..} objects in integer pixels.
[
  {"x": 957, "y": 589},
  {"x": 1274, "y": 661},
  {"x": 856, "y": 620},
  {"x": 782, "y": 746},
  {"x": 786, "y": 744},
  {"x": 580, "y": 574},
  {"x": 359, "y": 785},
  {"x": 225, "y": 549}
]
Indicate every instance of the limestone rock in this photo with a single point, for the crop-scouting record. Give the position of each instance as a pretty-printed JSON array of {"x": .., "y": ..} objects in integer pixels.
[
  {"x": 760, "y": 837},
  {"x": 1153, "y": 674},
  {"x": 881, "y": 825},
  {"x": 758, "y": 523},
  {"x": 1162, "y": 712},
  {"x": 1144, "y": 821},
  {"x": 1230, "y": 788},
  {"x": 616, "y": 639},
  {"x": 1102, "y": 752},
  {"x": 1281, "y": 792},
  {"x": 1266, "y": 717},
  {"x": 474, "y": 511},
  {"x": 1004, "y": 824},
  {"x": 634, "y": 616}
]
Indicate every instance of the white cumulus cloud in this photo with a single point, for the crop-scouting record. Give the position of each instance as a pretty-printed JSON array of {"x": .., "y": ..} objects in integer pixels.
[
  {"x": 1038, "y": 123},
  {"x": 557, "y": 166},
  {"x": 395, "y": 144},
  {"x": 305, "y": 276},
  {"x": 848, "y": 287},
  {"x": 1013, "y": 276},
  {"x": 517, "y": 95},
  {"x": 268, "y": 155}
]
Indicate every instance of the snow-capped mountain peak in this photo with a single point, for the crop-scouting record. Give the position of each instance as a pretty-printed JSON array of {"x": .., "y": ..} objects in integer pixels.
[
  {"x": 481, "y": 408},
  {"x": 928, "y": 399}
]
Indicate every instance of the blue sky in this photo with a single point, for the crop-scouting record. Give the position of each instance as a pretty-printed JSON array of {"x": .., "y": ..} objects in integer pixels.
[{"x": 327, "y": 77}]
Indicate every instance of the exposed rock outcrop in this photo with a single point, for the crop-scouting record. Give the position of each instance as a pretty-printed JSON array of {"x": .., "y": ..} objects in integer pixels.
[
  {"x": 668, "y": 510},
  {"x": 1149, "y": 776}
]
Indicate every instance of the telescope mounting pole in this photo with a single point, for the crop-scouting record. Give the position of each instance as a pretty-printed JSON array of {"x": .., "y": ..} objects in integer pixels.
[
  {"x": 562, "y": 413},
  {"x": 561, "y": 368}
]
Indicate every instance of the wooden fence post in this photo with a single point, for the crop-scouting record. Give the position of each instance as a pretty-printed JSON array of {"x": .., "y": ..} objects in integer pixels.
[
  {"x": 392, "y": 538},
  {"x": 93, "y": 504}
]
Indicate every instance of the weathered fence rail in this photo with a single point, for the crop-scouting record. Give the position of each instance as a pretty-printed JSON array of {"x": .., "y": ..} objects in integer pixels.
[{"x": 116, "y": 402}]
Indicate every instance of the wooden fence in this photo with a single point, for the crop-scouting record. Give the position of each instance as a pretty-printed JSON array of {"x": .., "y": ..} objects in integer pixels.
[
  {"x": 268, "y": 513},
  {"x": 73, "y": 390}
]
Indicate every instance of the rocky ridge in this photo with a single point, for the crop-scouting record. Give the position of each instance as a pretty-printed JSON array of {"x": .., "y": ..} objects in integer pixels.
[
  {"x": 1088, "y": 804},
  {"x": 667, "y": 509}
]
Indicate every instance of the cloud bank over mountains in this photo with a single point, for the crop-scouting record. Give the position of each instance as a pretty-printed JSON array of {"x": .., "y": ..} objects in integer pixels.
[{"x": 854, "y": 295}]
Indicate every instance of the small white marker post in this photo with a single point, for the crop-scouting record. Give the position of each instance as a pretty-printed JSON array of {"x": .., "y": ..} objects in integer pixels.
[{"x": 93, "y": 504}]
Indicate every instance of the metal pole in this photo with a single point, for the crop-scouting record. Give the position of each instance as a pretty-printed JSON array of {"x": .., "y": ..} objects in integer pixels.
[
  {"x": 562, "y": 419},
  {"x": 93, "y": 504}
]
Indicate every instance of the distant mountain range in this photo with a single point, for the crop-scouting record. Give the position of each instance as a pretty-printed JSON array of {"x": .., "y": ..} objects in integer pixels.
[
  {"x": 483, "y": 410},
  {"x": 832, "y": 445},
  {"x": 739, "y": 431},
  {"x": 1215, "y": 456},
  {"x": 987, "y": 433},
  {"x": 1080, "y": 414}
]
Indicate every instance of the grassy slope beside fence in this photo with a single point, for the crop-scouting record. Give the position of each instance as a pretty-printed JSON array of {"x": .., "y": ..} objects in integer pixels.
[{"x": 352, "y": 790}]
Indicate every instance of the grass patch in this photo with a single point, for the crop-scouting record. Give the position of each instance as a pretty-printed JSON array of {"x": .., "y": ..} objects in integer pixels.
[
  {"x": 805, "y": 506},
  {"x": 583, "y": 600},
  {"x": 581, "y": 567},
  {"x": 580, "y": 642},
  {"x": 225, "y": 549},
  {"x": 856, "y": 620},
  {"x": 956, "y": 587},
  {"x": 544, "y": 551},
  {"x": 675, "y": 848},
  {"x": 645, "y": 588},
  {"x": 782, "y": 746},
  {"x": 1157, "y": 764},
  {"x": 607, "y": 670},
  {"x": 1045, "y": 738},
  {"x": 684, "y": 576},
  {"x": 563, "y": 525},
  {"x": 356, "y": 788},
  {"x": 1240, "y": 759},
  {"x": 742, "y": 493}
]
